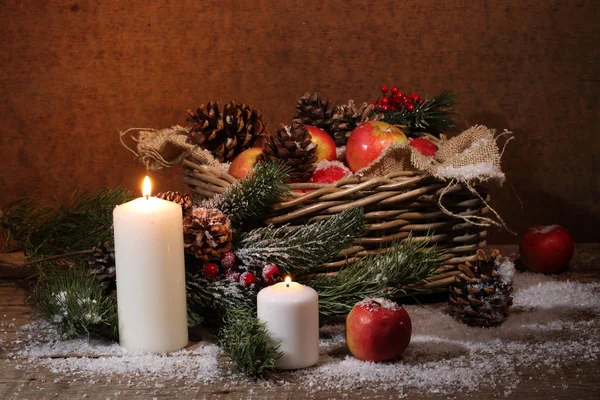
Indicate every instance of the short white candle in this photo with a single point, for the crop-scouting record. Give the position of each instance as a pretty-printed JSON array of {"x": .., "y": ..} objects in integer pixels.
[
  {"x": 150, "y": 271},
  {"x": 291, "y": 313}
]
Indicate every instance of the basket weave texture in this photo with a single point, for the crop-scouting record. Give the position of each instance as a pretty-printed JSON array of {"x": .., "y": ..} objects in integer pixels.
[{"x": 396, "y": 205}]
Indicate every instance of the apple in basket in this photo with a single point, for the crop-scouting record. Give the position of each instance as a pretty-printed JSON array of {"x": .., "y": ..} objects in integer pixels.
[
  {"x": 377, "y": 330},
  {"x": 546, "y": 249},
  {"x": 368, "y": 140},
  {"x": 424, "y": 146},
  {"x": 325, "y": 144},
  {"x": 244, "y": 162}
]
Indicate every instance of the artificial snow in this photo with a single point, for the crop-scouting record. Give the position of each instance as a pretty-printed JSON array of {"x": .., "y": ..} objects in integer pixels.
[
  {"x": 324, "y": 164},
  {"x": 554, "y": 325},
  {"x": 545, "y": 229},
  {"x": 481, "y": 171},
  {"x": 375, "y": 303}
]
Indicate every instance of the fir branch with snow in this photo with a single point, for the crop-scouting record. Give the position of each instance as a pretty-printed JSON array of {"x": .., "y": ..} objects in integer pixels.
[
  {"x": 300, "y": 248},
  {"x": 244, "y": 338},
  {"x": 75, "y": 303},
  {"x": 385, "y": 274},
  {"x": 252, "y": 196}
]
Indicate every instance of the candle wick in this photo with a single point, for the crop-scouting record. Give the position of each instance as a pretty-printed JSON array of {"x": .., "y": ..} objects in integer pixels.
[
  {"x": 147, "y": 196},
  {"x": 287, "y": 284}
]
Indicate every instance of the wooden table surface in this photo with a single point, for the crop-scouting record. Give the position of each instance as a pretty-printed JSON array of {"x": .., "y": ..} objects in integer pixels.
[{"x": 20, "y": 379}]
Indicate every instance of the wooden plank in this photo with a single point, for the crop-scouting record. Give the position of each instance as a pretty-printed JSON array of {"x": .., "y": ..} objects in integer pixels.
[{"x": 20, "y": 379}]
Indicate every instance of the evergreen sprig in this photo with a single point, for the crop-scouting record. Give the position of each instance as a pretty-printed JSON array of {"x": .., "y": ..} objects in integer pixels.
[
  {"x": 433, "y": 116},
  {"x": 251, "y": 197},
  {"x": 300, "y": 248},
  {"x": 213, "y": 297},
  {"x": 381, "y": 275},
  {"x": 244, "y": 338},
  {"x": 75, "y": 304},
  {"x": 79, "y": 224}
]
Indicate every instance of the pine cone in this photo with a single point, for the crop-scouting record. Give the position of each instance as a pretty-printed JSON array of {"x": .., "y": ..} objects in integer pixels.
[
  {"x": 293, "y": 146},
  {"x": 480, "y": 296},
  {"x": 102, "y": 265},
  {"x": 313, "y": 110},
  {"x": 180, "y": 198},
  {"x": 226, "y": 134},
  {"x": 347, "y": 117},
  {"x": 207, "y": 233}
]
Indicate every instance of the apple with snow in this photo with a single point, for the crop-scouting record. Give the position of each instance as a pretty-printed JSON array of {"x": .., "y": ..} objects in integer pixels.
[
  {"x": 325, "y": 144},
  {"x": 424, "y": 146},
  {"x": 377, "y": 330},
  {"x": 329, "y": 172},
  {"x": 368, "y": 140},
  {"x": 244, "y": 162},
  {"x": 546, "y": 249}
]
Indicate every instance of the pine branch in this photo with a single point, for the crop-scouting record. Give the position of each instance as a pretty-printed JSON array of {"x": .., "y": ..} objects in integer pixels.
[
  {"x": 433, "y": 116},
  {"x": 251, "y": 197},
  {"x": 81, "y": 223},
  {"x": 213, "y": 297},
  {"x": 298, "y": 249},
  {"x": 246, "y": 341},
  {"x": 75, "y": 304},
  {"x": 382, "y": 275}
]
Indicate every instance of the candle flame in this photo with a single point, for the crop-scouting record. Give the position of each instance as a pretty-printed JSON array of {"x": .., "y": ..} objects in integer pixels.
[
  {"x": 146, "y": 187},
  {"x": 287, "y": 281}
]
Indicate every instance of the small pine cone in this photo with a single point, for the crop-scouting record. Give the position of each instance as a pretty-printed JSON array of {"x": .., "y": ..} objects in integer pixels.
[
  {"x": 102, "y": 265},
  {"x": 347, "y": 117},
  {"x": 313, "y": 110},
  {"x": 292, "y": 145},
  {"x": 226, "y": 134},
  {"x": 207, "y": 233},
  {"x": 481, "y": 296},
  {"x": 182, "y": 199}
]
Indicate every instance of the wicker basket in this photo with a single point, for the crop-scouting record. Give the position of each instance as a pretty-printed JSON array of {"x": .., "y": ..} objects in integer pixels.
[{"x": 395, "y": 206}]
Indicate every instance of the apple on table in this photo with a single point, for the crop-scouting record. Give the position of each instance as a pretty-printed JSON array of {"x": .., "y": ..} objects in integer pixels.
[
  {"x": 377, "y": 330},
  {"x": 546, "y": 249}
]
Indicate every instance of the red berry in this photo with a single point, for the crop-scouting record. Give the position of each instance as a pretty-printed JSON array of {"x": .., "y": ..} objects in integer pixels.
[
  {"x": 232, "y": 276},
  {"x": 210, "y": 270},
  {"x": 398, "y": 97},
  {"x": 228, "y": 260},
  {"x": 373, "y": 103},
  {"x": 271, "y": 274},
  {"x": 415, "y": 96},
  {"x": 385, "y": 108},
  {"x": 394, "y": 89},
  {"x": 385, "y": 101},
  {"x": 392, "y": 108},
  {"x": 384, "y": 89},
  {"x": 405, "y": 100},
  {"x": 247, "y": 278},
  {"x": 410, "y": 107}
]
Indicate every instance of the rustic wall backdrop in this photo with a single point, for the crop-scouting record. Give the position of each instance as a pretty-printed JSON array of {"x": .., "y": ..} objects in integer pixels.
[{"x": 74, "y": 74}]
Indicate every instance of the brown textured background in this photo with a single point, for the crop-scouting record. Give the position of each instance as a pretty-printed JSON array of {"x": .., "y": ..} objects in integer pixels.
[{"x": 74, "y": 74}]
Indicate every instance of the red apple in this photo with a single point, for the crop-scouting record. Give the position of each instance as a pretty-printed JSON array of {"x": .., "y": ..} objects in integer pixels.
[
  {"x": 546, "y": 249},
  {"x": 244, "y": 162},
  {"x": 377, "y": 330},
  {"x": 324, "y": 142},
  {"x": 424, "y": 146},
  {"x": 368, "y": 140}
]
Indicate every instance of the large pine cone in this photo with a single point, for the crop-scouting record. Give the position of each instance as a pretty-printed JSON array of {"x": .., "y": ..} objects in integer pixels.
[
  {"x": 207, "y": 233},
  {"x": 180, "y": 198},
  {"x": 481, "y": 296},
  {"x": 102, "y": 265},
  {"x": 347, "y": 117},
  {"x": 226, "y": 134},
  {"x": 292, "y": 144},
  {"x": 313, "y": 110}
]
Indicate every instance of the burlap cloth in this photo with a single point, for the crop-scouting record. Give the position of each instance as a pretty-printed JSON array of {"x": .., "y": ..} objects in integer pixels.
[{"x": 470, "y": 158}]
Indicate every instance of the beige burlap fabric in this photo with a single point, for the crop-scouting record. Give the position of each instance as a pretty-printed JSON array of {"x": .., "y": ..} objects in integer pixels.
[
  {"x": 162, "y": 148},
  {"x": 473, "y": 155}
]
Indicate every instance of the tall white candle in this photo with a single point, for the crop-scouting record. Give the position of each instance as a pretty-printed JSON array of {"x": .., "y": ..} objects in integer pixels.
[
  {"x": 150, "y": 270},
  {"x": 291, "y": 313}
]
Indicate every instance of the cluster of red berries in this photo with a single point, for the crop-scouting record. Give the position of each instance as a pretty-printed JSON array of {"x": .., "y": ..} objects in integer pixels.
[
  {"x": 396, "y": 100},
  {"x": 266, "y": 276}
]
